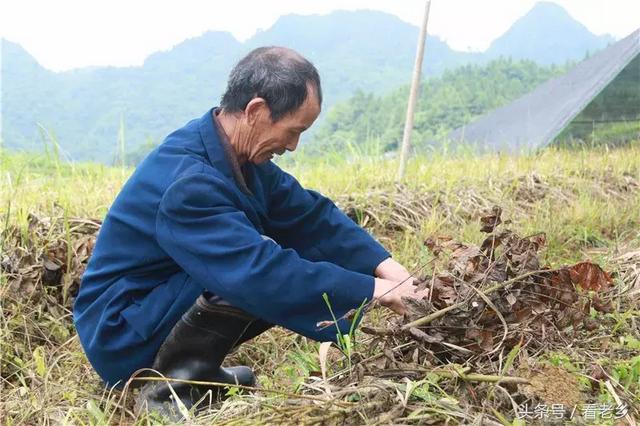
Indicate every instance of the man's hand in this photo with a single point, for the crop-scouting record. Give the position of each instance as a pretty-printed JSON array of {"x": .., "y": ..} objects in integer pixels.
[
  {"x": 389, "y": 269},
  {"x": 390, "y": 293}
]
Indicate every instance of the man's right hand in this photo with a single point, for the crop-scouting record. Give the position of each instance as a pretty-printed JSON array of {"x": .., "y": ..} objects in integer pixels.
[{"x": 390, "y": 293}]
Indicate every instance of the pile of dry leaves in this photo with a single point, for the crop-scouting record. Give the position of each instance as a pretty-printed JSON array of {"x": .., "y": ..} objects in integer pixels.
[
  {"x": 496, "y": 295},
  {"x": 492, "y": 310}
]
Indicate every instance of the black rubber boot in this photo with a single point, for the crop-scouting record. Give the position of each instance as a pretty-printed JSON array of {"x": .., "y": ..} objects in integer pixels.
[{"x": 194, "y": 350}]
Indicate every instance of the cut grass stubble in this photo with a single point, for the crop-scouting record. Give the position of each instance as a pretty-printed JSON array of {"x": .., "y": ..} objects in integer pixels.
[{"x": 586, "y": 202}]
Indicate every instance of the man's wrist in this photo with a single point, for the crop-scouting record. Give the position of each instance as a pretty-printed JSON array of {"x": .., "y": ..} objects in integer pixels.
[
  {"x": 389, "y": 269},
  {"x": 382, "y": 267}
]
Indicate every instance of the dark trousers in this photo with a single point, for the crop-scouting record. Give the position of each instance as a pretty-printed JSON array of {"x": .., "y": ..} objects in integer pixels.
[{"x": 257, "y": 327}]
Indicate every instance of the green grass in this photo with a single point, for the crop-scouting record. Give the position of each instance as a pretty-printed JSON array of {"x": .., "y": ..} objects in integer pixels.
[{"x": 586, "y": 201}]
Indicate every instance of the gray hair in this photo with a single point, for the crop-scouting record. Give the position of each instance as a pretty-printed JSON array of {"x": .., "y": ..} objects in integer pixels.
[{"x": 277, "y": 74}]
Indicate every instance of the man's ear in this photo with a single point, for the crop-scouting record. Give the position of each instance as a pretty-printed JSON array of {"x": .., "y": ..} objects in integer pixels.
[{"x": 256, "y": 109}]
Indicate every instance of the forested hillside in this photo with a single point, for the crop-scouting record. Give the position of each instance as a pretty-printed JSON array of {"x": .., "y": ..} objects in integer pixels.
[
  {"x": 355, "y": 52},
  {"x": 83, "y": 109},
  {"x": 375, "y": 123}
]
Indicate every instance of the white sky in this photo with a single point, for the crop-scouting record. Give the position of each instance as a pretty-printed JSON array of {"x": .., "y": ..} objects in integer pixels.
[{"x": 65, "y": 34}]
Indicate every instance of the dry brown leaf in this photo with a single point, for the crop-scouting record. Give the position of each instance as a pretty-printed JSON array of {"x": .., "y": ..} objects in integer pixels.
[
  {"x": 589, "y": 276},
  {"x": 491, "y": 220}
]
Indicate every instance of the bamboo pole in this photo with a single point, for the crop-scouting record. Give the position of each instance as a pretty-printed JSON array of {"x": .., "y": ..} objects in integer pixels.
[{"x": 413, "y": 95}]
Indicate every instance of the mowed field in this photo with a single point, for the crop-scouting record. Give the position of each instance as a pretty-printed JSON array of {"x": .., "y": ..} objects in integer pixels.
[{"x": 585, "y": 203}]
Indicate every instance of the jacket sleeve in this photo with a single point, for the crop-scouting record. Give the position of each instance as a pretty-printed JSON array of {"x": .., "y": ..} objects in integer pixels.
[
  {"x": 312, "y": 224},
  {"x": 200, "y": 225}
]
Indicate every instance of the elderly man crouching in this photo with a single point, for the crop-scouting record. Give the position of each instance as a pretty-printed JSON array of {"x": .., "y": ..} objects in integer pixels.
[{"x": 209, "y": 243}]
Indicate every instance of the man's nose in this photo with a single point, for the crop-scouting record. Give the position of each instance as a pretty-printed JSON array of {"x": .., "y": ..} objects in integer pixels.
[{"x": 291, "y": 146}]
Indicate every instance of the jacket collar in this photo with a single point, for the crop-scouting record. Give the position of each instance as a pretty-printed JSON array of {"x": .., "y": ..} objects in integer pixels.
[{"x": 219, "y": 150}]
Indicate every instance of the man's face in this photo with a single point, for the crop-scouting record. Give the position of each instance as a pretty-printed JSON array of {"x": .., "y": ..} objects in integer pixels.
[{"x": 274, "y": 138}]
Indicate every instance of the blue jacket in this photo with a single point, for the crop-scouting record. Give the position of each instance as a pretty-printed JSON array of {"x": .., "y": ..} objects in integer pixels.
[{"x": 182, "y": 225}]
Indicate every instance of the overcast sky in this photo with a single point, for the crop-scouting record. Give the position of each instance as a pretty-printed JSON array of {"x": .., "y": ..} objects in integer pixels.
[{"x": 65, "y": 34}]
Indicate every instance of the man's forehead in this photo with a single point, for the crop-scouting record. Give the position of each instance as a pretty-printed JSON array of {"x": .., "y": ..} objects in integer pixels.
[
  {"x": 310, "y": 113},
  {"x": 309, "y": 110}
]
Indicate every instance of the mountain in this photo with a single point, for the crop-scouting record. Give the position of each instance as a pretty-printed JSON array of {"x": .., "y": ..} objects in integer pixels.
[
  {"x": 354, "y": 51},
  {"x": 21, "y": 74},
  {"x": 365, "y": 50},
  {"x": 82, "y": 109},
  {"x": 547, "y": 34}
]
